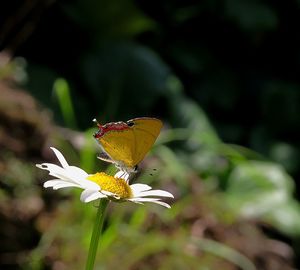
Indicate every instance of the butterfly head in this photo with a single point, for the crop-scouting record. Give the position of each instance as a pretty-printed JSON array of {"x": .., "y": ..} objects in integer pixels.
[
  {"x": 100, "y": 131},
  {"x": 114, "y": 126}
]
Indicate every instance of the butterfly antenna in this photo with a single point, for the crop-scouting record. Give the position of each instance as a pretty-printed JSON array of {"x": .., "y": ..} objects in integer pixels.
[{"x": 97, "y": 123}]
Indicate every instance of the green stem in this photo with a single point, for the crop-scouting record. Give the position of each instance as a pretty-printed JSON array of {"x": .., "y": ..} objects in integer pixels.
[{"x": 96, "y": 234}]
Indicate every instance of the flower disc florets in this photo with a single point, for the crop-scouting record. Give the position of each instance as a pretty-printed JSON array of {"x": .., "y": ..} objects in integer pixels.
[{"x": 118, "y": 186}]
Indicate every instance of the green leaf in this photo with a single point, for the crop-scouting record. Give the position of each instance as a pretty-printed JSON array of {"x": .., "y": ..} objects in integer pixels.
[
  {"x": 255, "y": 188},
  {"x": 286, "y": 217},
  {"x": 62, "y": 91}
]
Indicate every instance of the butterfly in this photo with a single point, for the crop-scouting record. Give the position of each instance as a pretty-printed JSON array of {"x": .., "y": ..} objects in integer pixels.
[{"x": 126, "y": 143}]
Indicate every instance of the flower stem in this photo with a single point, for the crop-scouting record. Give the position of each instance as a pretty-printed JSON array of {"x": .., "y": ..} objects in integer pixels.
[{"x": 97, "y": 231}]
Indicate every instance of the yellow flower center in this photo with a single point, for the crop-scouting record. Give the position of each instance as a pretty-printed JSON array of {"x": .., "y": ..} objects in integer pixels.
[{"x": 114, "y": 185}]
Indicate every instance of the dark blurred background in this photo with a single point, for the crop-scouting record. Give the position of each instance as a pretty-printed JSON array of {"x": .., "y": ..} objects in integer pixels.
[{"x": 237, "y": 60}]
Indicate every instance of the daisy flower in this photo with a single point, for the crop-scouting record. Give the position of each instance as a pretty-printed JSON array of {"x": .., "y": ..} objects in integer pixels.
[{"x": 100, "y": 185}]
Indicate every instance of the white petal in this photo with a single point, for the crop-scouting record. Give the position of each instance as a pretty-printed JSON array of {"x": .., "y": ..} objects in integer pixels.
[
  {"x": 160, "y": 193},
  {"x": 108, "y": 193},
  {"x": 136, "y": 202},
  {"x": 55, "y": 171},
  {"x": 52, "y": 183},
  {"x": 79, "y": 176},
  {"x": 60, "y": 157},
  {"x": 94, "y": 196},
  {"x": 122, "y": 174},
  {"x": 162, "y": 203},
  {"x": 86, "y": 193},
  {"x": 152, "y": 200},
  {"x": 137, "y": 188},
  {"x": 87, "y": 184},
  {"x": 50, "y": 167},
  {"x": 64, "y": 185},
  {"x": 118, "y": 174},
  {"x": 76, "y": 173},
  {"x": 144, "y": 199},
  {"x": 90, "y": 195},
  {"x": 70, "y": 174}
]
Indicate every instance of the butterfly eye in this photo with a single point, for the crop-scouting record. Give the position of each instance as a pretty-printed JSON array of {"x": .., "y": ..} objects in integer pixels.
[
  {"x": 98, "y": 134},
  {"x": 130, "y": 124}
]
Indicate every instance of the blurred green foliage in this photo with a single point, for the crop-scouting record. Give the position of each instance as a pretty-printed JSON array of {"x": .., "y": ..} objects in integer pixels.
[
  {"x": 251, "y": 188},
  {"x": 222, "y": 75},
  {"x": 236, "y": 59}
]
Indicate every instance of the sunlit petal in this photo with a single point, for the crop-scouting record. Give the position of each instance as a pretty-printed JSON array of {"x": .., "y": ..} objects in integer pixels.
[
  {"x": 160, "y": 193},
  {"x": 52, "y": 183},
  {"x": 59, "y": 172},
  {"x": 76, "y": 173},
  {"x": 122, "y": 174},
  {"x": 110, "y": 194},
  {"x": 90, "y": 195},
  {"x": 64, "y": 185},
  {"x": 137, "y": 188},
  {"x": 60, "y": 157},
  {"x": 152, "y": 200}
]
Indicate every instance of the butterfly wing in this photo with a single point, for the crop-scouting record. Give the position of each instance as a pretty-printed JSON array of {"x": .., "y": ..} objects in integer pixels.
[
  {"x": 105, "y": 157},
  {"x": 119, "y": 146},
  {"x": 145, "y": 132}
]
